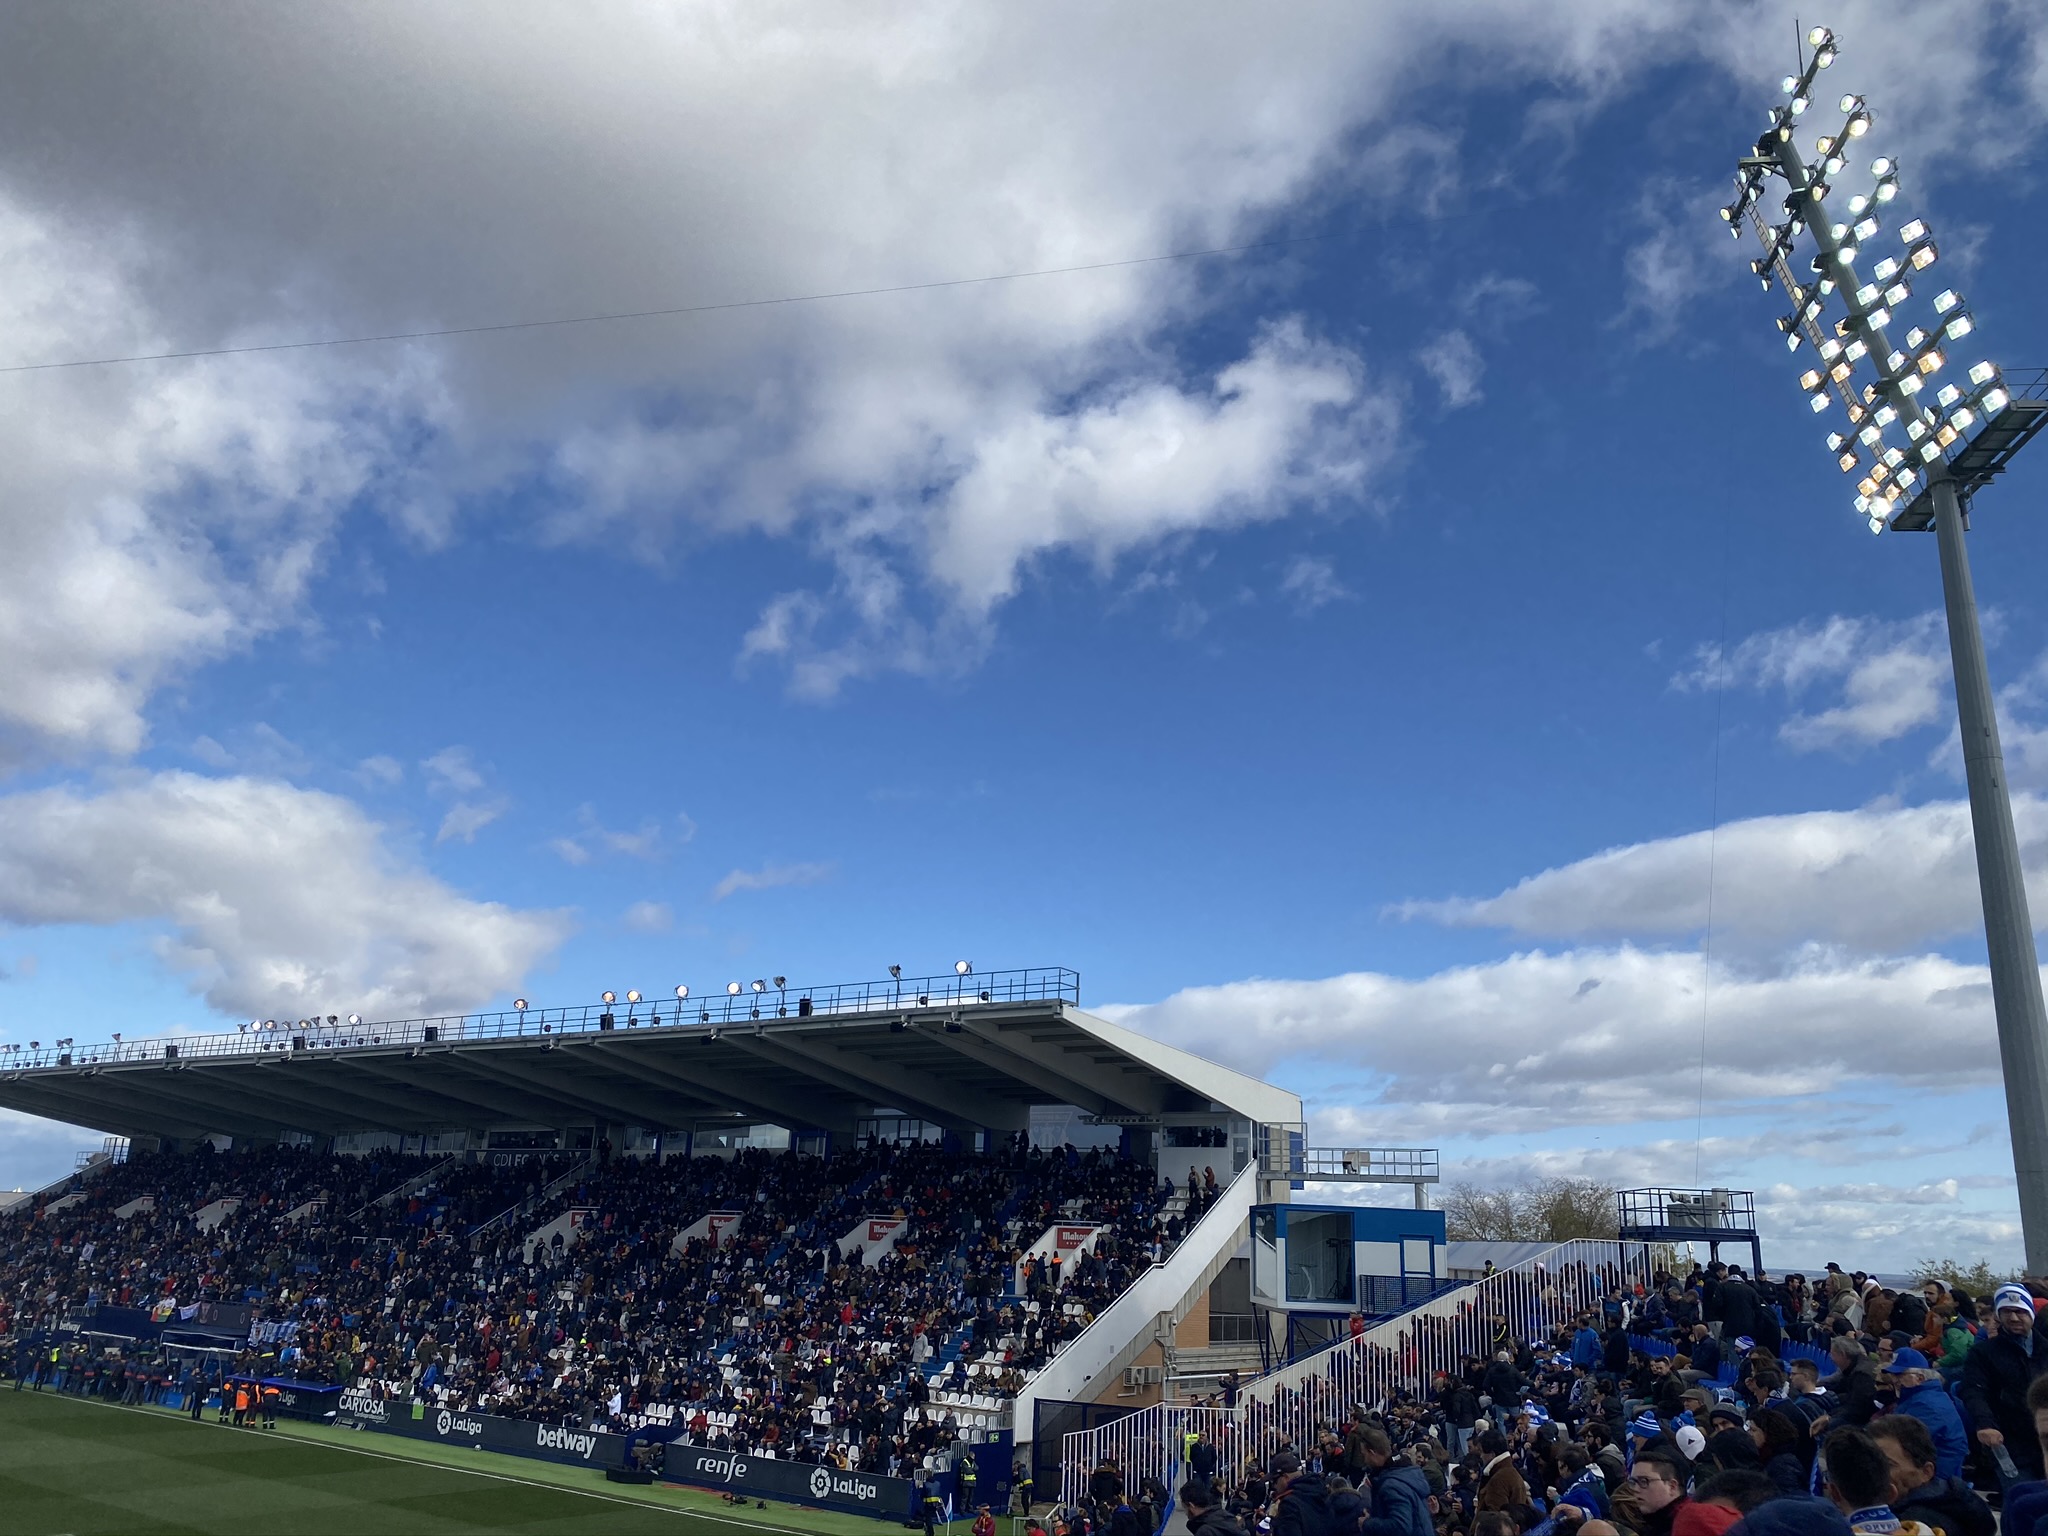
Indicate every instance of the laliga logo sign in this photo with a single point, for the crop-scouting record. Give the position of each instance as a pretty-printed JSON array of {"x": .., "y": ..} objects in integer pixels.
[
  {"x": 446, "y": 1422},
  {"x": 824, "y": 1485}
]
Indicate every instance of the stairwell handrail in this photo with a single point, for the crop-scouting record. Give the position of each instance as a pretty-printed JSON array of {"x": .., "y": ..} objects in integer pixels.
[
  {"x": 1119, "y": 1332},
  {"x": 536, "y": 1200},
  {"x": 405, "y": 1187},
  {"x": 1525, "y": 1301}
]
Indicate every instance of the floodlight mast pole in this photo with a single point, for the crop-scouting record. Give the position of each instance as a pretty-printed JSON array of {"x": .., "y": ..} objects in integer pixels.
[
  {"x": 2008, "y": 929},
  {"x": 2016, "y": 996}
]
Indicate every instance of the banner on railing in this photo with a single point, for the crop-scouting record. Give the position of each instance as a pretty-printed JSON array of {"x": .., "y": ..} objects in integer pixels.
[
  {"x": 360, "y": 1409},
  {"x": 767, "y": 1477}
]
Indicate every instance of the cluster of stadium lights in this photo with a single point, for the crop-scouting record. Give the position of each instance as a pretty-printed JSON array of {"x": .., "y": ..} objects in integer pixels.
[
  {"x": 759, "y": 985},
  {"x": 1890, "y": 473}
]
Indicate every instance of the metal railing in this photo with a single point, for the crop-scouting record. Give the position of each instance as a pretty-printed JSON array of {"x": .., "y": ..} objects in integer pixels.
[
  {"x": 1661, "y": 1210},
  {"x": 757, "y": 999},
  {"x": 1392, "y": 1165},
  {"x": 1139, "y": 1445}
]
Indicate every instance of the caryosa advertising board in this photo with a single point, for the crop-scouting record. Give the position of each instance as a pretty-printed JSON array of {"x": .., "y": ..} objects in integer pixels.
[
  {"x": 359, "y": 1409},
  {"x": 795, "y": 1482}
]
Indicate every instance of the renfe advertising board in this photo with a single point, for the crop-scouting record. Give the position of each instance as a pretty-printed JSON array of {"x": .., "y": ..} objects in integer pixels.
[{"x": 794, "y": 1482}]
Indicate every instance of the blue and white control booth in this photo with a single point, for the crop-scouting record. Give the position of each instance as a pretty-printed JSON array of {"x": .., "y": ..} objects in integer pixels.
[{"x": 1321, "y": 1263}]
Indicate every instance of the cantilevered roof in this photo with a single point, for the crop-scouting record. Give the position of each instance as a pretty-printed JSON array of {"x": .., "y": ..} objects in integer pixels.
[{"x": 807, "y": 1059}]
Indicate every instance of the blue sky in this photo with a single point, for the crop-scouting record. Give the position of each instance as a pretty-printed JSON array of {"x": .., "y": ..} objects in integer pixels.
[{"x": 1241, "y": 632}]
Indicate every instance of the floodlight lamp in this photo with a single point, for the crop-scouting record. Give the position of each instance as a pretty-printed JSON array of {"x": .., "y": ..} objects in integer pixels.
[
  {"x": 1846, "y": 255},
  {"x": 1907, "y": 479},
  {"x": 1837, "y": 441},
  {"x": 1811, "y": 379},
  {"x": 1869, "y": 293},
  {"x": 354, "y": 1019},
  {"x": 1897, "y": 294},
  {"x": 781, "y": 981},
  {"x": 1916, "y": 337},
  {"x": 1876, "y": 524},
  {"x": 1963, "y": 419},
  {"x": 1994, "y": 401},
  {"x": 1894, "y": 458},
  {"x": 1823, "y": 57},
  {"x": 1858, "y": 203},
  {"x": 1820, "y": 37},
  {"x": 1910, "y": 384},
  {"x": 1799, "y": 104},
  {"x": 1830, "y": 349},
  {"x": 1949, "y": 396},
  {"x": 1818, "y": 400},
  {"x": 1959, "y": 327},
  {"x": 1946, "y": 435},
  {"x": 732, "y": 989},
  {"x": 1884, "y": 415},
  {"x": 1789, "y": 84},
  {"x": 1887, "y": 189},
  {"x": 1840, "y": 232},
  {"x": 962, "y": 968},
  {"x": 632, "y": 997},
  {"x": 681, "y": 993},
  {"x": 1879, "y": 318},
  {"x": 1865, "y": 228},
  {"x": 1884, "y": 269},
  {"x": 1895, "y": 362},
  {"x": 760, "y": 986},
  {"x": 519, "y": 1004},
  {"x": 1912, "y": 230},
  {"x": 1916, "y": 429},
  {"x": 1833, "y": 165},
  {"x": 1983, "y": 373},
  {"x": 1848, "y": 461},
  {"x": 1870, "y": 436},
  {"x": 610, "y": 998},
  {"x": 1867, "y": 486},
  {"x": 1930, "y": 451},
  {"x": 896, "y": 971},
  {"x": 1789, "y": 324}
]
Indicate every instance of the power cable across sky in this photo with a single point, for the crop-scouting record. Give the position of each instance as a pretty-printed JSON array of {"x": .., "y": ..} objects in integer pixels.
[{"x": 670, "y": 311}]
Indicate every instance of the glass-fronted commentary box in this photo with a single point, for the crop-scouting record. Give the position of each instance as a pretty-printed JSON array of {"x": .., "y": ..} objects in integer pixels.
[{"x": 1344, "y": 1258}]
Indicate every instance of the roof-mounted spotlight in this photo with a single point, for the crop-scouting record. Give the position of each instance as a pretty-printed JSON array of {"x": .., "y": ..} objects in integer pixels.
[
  {"x": 611, "y": 997},
  {"x": 354, "y": 1019},
  {"x": 962, "y": 968},
  {"x": 896, "y": 971},
  {"x": 681, "y": 993},
  {"x": 732, "y": 989},
  {"x": 760, "y": 985},
  {"x": 519, "y": 1003},
  {"x": 632, "y": 997}
]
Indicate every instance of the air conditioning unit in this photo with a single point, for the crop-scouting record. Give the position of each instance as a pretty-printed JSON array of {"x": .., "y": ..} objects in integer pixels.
[{"x": 1136, "y": 1376}]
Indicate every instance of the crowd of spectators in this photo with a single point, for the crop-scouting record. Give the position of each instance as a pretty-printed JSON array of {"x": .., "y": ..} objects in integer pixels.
[
  {"x": 1691, "y": 1407},
  {"x": 767, "y": 1337}
]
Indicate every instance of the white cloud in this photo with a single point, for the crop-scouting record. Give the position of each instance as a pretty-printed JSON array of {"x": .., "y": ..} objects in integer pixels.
[
  {"x": 1521, "y": 1043},
  {"x": 931, "y": 448},
  {"x": 380, "y": 770},
  {"x": 1453, "y": 361},
  {"x": 466, "y": 818},
  {"x": 1878, "y": 879},
  {"x": 647, "y": 841},
  {"x": 647, "y": 917},
  {"x": 769, "y": 876},
  {"x": 1892, "y": 676},
  {"x": 157, "y": 518},
  {"x": 271, "y": 898},
  {"x": 451, "y": 772},
  {"x": 1312, "y": 582}
]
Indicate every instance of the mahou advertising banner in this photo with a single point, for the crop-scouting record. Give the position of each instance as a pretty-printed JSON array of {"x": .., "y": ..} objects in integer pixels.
[{"x": 791, "y": 1482}]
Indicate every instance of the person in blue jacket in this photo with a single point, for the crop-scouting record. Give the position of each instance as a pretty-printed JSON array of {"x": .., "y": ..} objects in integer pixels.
[
  {"x": 1924, "y": 1396},
  {"x": 1400, "y": 1494},
  {"x": 1587, "y": 1349}
]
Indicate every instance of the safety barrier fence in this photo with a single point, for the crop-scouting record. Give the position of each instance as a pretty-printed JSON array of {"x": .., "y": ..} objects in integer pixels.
[
  {"x": 1403, "y": 1354},
  {"x": 1148, "y": 1443}
]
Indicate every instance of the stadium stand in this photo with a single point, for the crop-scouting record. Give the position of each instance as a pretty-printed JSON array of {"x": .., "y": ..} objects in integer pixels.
[{"x": 574, "y": 1218}]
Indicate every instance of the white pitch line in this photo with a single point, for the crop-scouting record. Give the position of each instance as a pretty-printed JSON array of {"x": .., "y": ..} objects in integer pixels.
[{"x": 496, "y": 1477}]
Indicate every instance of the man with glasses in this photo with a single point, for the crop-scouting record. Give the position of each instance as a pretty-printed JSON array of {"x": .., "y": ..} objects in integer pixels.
[{"x": 1656, "y": 1487}]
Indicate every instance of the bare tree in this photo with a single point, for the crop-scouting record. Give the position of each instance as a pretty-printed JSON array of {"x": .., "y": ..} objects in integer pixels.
[{"x": 1554, "y": 1210}]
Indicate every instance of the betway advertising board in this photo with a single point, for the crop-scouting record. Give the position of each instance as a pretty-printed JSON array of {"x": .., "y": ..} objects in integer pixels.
[
  {"x": 791, "y": 1482},
  {"x": 481, "y": 1431}
]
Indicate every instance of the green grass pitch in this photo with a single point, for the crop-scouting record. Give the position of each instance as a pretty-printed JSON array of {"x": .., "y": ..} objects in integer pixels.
[{"x": 91, "y": 1469}]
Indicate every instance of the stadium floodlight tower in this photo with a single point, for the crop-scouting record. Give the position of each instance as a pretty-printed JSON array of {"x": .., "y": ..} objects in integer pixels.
[{"x": 1921, "y": 447}]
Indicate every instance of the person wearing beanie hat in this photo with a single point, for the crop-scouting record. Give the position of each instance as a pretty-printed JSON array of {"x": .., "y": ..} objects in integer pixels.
[{"x": 1997, "y": 1372}]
